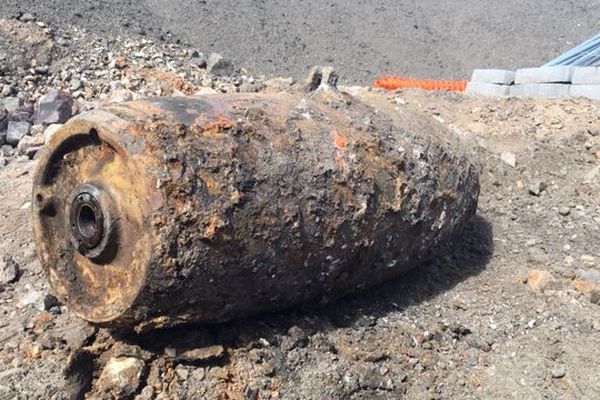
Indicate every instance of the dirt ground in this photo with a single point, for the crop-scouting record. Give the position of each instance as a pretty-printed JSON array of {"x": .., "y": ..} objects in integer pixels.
[
  {"x": 362, "y": 38},
  {"x": 509, "y": 310}
]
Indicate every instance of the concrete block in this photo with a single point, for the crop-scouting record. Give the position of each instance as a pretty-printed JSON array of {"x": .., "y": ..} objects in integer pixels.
[
  {"x": 540, "y": 90},
  {"x": 498, "y": 76},
  {"x": 486, "y": 89},
  {"x": 562, "y": 74},
  {"x": 586, "y": 76},
  {"x": 589, "y": 91}
]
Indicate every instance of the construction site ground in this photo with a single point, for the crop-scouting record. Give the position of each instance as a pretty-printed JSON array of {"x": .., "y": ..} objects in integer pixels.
[
  {"x": 429, "y": 38},
  {"x": 510, "y": 309}
]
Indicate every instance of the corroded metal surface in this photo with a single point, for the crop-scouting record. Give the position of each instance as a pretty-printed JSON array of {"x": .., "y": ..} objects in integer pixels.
[{"x": 223, "y": 206}]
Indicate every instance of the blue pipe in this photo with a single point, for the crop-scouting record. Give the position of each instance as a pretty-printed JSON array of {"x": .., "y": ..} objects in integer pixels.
[{"x": 583, "y": 54}]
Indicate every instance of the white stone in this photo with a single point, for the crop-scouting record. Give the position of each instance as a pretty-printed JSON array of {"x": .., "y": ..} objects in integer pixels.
[
  {"x": 121, "y": 376},
  {"x": 32, "y": 298},
  {"x": 509, "y": 158},
  {"x": 562, "y": 74}
]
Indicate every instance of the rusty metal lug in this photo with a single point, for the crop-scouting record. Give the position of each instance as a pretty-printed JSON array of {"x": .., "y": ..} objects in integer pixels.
[
  {"x": 321, "y": 77},
  {"x": 173, "y": 210}
]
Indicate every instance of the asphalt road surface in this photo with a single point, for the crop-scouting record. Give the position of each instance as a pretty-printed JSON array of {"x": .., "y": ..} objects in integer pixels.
[{"x": 361, "y": 38}]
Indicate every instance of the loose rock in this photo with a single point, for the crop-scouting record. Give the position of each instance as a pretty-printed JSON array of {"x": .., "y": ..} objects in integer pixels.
[
  {"x": 205, "y": 91},
  {"x": 537, "y": 187},
  {"x": 49, "y": 301},
  {"x": 51, "y": 130},
  {"x": 38, "y": 300},
  {"x": 30, "y": 145},
  {"x": 27, "y": 17},
  {"x": 540, "y": 281},
  {"x": 219, "y": 66},
  {"x": 201, "y": 355},
  {"x": 9, "y": 270},
  {"x": 76, "y": 84},
  {"x": 7, "y": 90},
  {"x": 121, "y": 376},
  {"x": 55, "y": 107},
  {"x": 559, "y": 372},
  {"x": 147, "y": 393},
  {"x": 297, "y": 338},
  {"x": 32, "y": 350},
  {"x": 76, "y": 334},
  {"x": 3, "y": 121},
  {"x": 121, "y": 95},
  {"x": 22, "y": 114},
  {"x": 509, "y": 158},
  {"x": 16, "y": 131},
  {"x": 182, "y": 372},
  {"x": 11, "y": 104}
]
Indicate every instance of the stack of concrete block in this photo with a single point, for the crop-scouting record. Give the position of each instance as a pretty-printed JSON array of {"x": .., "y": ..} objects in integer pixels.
[
  {"x": 491, "y": 82},
  {"x": 543, "y": 81},
  {"x": 586, "y": 82}
]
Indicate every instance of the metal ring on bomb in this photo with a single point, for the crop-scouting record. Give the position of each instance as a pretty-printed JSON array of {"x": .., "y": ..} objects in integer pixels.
[
  {"x": 93, "y": 230},
  {"x": 86, "y": 221}
]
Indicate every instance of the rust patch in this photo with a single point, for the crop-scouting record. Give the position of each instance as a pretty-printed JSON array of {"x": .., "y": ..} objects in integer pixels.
[
  {"x": 212, "y": 124},
  {"x": 339, "y": 142}
]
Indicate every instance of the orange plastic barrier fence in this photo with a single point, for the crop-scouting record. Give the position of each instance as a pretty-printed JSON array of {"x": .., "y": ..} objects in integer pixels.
[{"x": 403, "y": 82}]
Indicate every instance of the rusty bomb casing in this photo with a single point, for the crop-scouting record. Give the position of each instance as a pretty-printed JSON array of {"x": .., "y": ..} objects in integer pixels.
[{"x": 157, "y": 212}]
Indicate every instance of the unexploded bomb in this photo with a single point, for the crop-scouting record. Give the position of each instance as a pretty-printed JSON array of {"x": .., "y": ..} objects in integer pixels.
[{"x": 172, "y": 210}]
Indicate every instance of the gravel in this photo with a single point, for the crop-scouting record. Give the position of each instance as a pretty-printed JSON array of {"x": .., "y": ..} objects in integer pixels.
[
  {"x": 363, "y": 39},
  {"x": 507, "y": 296},
  {"x": 499, "y": 313},
  {"x": 84, "y": 70}
]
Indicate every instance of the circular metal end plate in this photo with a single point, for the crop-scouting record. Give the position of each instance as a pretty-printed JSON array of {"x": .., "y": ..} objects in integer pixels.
[{"x": 91, "y": 199}]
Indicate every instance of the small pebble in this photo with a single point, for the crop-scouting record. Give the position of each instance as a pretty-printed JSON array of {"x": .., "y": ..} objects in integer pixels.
[
  {"x": 558, "y": 373},
  {"x": 509, "y": 158},
  {"x": 536, "y": 188},
  {"x": 9, "y": 270}
]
